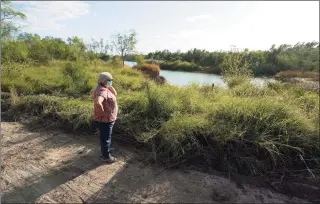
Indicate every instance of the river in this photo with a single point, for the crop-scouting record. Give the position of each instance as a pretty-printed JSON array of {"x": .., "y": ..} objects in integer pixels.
[{"x": 184, "y": 78}]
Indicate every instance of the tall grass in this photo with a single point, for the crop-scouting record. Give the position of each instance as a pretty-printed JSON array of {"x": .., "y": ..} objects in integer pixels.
[
  {"x": 244, "y": 129},
  {"x": 75, "y": 77}
]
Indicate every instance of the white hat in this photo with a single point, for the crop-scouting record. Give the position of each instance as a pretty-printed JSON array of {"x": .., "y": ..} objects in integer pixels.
[{"x": 104, "y": 76}]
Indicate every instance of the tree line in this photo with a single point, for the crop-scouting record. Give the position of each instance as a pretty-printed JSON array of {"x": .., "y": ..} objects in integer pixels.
[
  {"x": 301, "y": 57},
  {"x": 21, "y": 47},
  {"x": 27, "y": 47}
]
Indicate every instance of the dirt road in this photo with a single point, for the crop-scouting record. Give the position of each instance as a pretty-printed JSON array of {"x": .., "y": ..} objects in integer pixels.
[{"x": 49, "y": 166}]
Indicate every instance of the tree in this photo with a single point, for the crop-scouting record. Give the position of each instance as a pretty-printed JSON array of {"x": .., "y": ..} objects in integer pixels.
[
  {"x": 7, "y": 15},
  {"x": 236, "y": 64},
  {"x": 139, "y": 59},
  {"x": 99, "y": 48},
  {"x": 124, "y": 43},
  {"x": 77, "y": 47}
]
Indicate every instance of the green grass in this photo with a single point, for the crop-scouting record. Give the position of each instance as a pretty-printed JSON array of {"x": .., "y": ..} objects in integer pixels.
[{"x": 244, "y": 129}]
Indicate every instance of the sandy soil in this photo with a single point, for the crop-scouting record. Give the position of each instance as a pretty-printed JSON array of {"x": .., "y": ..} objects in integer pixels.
[{"x": 41, "y": 165}]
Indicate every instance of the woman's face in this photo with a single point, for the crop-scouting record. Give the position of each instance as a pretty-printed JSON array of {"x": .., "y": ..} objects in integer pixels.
[{"x": 108, "y": 83}]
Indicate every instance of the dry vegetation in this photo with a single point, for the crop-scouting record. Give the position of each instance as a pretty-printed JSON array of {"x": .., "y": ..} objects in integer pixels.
[{"x": 314, "y": 76}]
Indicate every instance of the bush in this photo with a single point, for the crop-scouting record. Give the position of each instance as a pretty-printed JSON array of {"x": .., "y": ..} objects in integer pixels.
[
  {"x": 15, "y": 52},
  {"x": 139, "y": 59},
  {"x": 148, "y": 67},
  {"x": 76, "y": 77},
  {"x": 116, "y": 61},
  {"x": 152, "y": 71}
]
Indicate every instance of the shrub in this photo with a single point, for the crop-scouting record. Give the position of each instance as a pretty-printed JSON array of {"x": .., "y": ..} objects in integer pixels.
[
  {"x": 151, "y": 70},
  {"x": 139, "y": 59},
  {"x": 235, "y": 64},
  {"x": 15, "y": 52},
  {"x": 148, "y": 67},
  {"x": 76, "y": 77},
  {"x": 116, "y": 61},
  {"x": 236, "y": 69}
]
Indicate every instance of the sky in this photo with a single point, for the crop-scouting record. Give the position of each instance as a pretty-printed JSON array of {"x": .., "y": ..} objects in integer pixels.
[{"x": 177, "y": 25}]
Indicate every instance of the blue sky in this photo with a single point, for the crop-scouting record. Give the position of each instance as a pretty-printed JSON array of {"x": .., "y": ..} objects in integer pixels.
[{"x": 183, "y": 25}]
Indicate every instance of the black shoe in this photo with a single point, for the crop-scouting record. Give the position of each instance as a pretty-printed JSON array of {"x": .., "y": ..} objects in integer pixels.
[{"x": 109, "y": 160}]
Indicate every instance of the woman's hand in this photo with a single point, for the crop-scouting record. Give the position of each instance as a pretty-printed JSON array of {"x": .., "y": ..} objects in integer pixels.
[{"x": 98, "y": 101}]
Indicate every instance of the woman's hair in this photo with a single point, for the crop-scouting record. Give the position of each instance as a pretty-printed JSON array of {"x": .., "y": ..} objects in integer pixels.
[{"x": 104, "y": 76}]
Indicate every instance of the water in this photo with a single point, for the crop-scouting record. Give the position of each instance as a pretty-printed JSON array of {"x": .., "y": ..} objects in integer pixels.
[
  {"x": 131, "y": 64},
  {"x": 184, "y": 78}
]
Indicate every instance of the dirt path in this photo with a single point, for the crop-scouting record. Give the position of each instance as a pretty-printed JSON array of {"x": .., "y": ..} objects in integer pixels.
[{"x": 48, "y": 166}]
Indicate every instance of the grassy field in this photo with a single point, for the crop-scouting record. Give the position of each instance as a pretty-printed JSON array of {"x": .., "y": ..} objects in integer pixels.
[{"x": 243, "y": 129}]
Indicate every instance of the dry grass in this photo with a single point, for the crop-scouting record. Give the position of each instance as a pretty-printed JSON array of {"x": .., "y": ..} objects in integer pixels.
[
  {"x": 151, "y": 70},
  {"x": 314, "y": 76},
  {"x": 148, "y": 67}
]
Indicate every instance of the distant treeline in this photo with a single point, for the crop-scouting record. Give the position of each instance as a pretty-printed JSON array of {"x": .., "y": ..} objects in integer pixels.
[
  {"x": 301, "y": 57},
  {"x": 32, "y": 48}
]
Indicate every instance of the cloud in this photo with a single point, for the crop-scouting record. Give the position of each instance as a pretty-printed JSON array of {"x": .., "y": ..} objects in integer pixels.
[
  {"x": 199, "y": 17},
  {"x": 45, "y": 15}
]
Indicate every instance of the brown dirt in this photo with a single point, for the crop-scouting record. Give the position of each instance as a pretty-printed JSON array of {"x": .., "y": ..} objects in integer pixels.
[{"x": 41, "y": 165}]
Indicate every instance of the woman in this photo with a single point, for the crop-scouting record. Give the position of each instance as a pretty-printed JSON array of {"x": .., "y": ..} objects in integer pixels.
[{"x": 105, "y": 113}]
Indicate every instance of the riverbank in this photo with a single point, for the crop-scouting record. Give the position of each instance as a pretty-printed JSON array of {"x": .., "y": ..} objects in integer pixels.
[
  {"x": 307, "y": 80},
  {"x": 184, "y": 66},
  {"x": 244, "y": 129},
  {"x": 305, "y": 83},
  {"x": 182, "y": 78}
]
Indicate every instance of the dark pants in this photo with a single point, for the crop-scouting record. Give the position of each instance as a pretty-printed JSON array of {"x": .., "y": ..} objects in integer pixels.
[{"x": 105, "y": 130}]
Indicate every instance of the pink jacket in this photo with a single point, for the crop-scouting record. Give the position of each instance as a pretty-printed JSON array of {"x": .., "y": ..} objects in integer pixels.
[{"x": 109, "y": 105}]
